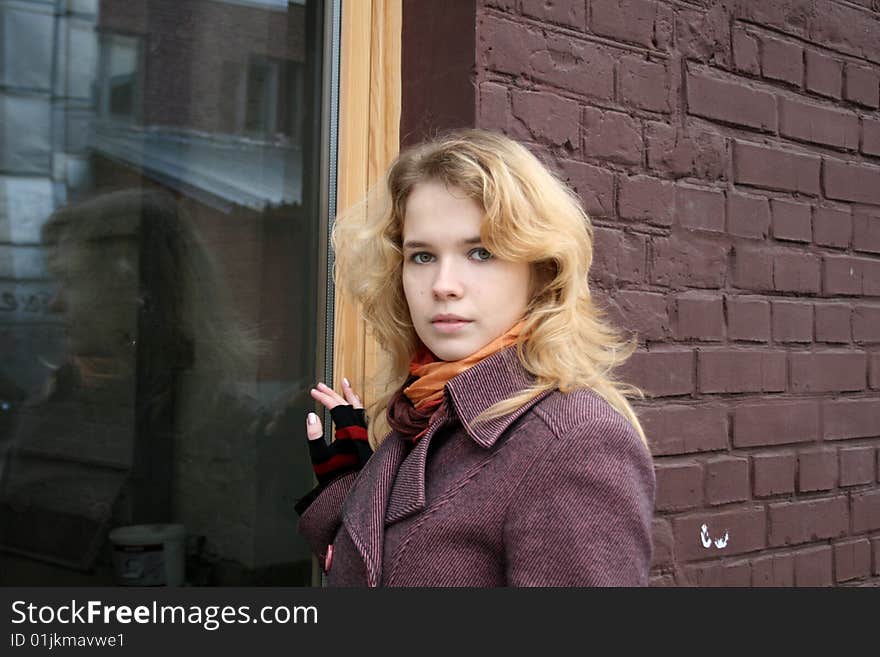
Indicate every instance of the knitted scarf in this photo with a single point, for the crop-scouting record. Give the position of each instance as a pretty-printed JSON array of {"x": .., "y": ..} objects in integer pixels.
[{"x": 421, "y": 397}]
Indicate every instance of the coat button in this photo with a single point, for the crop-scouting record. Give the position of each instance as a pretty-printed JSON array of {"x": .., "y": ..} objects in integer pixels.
[{"x": 328, "y": 559}]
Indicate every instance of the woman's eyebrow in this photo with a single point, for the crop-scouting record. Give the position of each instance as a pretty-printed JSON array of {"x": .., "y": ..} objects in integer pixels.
[{"x": 417, "y": 244}]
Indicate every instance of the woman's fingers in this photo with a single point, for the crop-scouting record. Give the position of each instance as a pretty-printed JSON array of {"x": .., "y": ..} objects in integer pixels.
[
  {"x": 314, "y": 430},
  {"x": 326, "y": 396},
  {"x": 350, "y": 395},
  {"x": 330, "y": 398}
]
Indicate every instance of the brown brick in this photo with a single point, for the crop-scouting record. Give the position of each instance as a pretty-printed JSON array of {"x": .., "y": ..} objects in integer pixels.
[
  {"x": 797, "y": 272},
  {"x": 645, "y": 313},
  {"x": 791, "y": 221},
  {"x": 746, "y": 56},
  {"x": 686, "y": 151},
  {"x": 842, "y": 275},
  {"x": 618, "y": 256},
  {"x": 792, "y": 321},
  {"x": 661, "y": 533},
  {"x": 773, "y": 473},
  {"x": 866, "y": 511},
  {"x": 665, "y": 580},
  {"x": 817, "y": 470},
  {"x": 747, "y": 216},
  {"x": 642, "y": 312},
  {"x": 833, "y": 322},
  {"x": 856, "y": 465},
  {"x": 866, "y": 323},
  {"x": 730, "y": 101},
  {"x": 748, "y": 319},
  {"x": 870, "y": 136},
  {"x": 773, "y": 570},
  {"x": 774, "y": 168},
  {"x": 752, "y": 268},
  {"x": 791, "y": 523},
  {"x": 740, "y": 371},
  {"x": 874, "y": 366},
  {"x": 824, "y": 74},
  {"x": 718, "y": 574},
  {"x": 650, "y": 200},
  {"x": 676, "y": 429},
  {"x": 661, "y": 372},
  {"x": 828, "y": 371},
  {"x": 832, "y": 227},
  {"x": 643, "y": 84},
  {"x": 775, "y": 423},
  {"x": 813, "y": 567},
  {"x": 818, "y": 124},
  {"x": 851, "y": 418},
  {"x": 698, "y": 36},
  {"x": 699, "y": 208},
  {"x": 781, "y": 60},
  {"x": 866, "y": 232},
  {"x": 727, "y": 480},
  {"x": 594, "y": 185},
  {"x": 699, "y": 316},
  {"x": 861, "y": 86},
  {"x": 875, "y": 549},
  {"x": 523, "y": 50},
  {"x": 494, "y": 104},
  {"x": 570, "y": 14},
  {"x": 852, "y": 559},
  {"x": 847, "y": 181},
  {"x": 611, "y": 136},
  {"x": 745, "y": 528},
  {"x": 545, "y": 117},
  {"x": 692, "y": 260},
  {"x": 627, "y": 20},
  {"x": 679, "y": 485},
  {"x": 870, "y": 277}
]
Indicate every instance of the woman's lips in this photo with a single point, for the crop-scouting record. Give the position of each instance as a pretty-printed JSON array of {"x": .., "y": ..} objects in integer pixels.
[{"x": 449, "y": 326}]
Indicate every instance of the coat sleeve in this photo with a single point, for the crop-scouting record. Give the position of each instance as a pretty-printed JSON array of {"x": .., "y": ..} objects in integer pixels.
[
  {"x": 319, "y": 522},
  {"x": 582, "y": 514}
]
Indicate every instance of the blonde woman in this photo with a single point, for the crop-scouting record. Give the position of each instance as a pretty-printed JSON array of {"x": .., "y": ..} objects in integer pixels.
[{"x": 506, "y": 453}]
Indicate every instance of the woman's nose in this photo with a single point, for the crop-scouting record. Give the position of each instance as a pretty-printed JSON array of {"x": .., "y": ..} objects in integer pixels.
[{"x": 447, "y": 283}]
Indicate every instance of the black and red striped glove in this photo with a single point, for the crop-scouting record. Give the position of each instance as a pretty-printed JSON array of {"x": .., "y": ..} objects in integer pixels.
[
  {"x": 350, "y": 448},
  {"x": 348, "y": 452}
]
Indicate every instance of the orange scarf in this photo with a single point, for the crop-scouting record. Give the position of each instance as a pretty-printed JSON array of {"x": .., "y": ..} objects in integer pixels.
[
  {"x": 426, "y": 392},
  {"x": 413, "y": 407}
]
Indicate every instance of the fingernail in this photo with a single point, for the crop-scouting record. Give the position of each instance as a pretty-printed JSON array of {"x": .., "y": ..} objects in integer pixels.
[
  {"x": 312, "y": 418},
  {"x": 345, "y": 381}
]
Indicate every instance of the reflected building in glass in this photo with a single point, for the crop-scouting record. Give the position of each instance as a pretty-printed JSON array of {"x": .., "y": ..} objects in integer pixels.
[{"x": 160, "y": 268}]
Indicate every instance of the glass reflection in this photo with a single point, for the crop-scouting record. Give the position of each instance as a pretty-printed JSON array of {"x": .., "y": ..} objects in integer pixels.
[{"x": 159, "y": 238}]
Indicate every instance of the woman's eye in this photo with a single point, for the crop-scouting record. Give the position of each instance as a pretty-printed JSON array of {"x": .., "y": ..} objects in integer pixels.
[
  {"x": 486, "y": 256},
  {"x": 415, "y": 257}
]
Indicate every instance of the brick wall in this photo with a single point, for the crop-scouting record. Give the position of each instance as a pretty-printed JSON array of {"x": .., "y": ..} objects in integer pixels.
[{"x": 729, "y": 156}]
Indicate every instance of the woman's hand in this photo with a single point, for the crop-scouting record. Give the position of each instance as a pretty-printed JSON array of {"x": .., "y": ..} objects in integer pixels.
[{"x": 351, "y": 448}]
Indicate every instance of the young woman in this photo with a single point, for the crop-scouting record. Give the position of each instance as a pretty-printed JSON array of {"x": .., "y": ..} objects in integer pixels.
[{"x": 513, "y": 457}]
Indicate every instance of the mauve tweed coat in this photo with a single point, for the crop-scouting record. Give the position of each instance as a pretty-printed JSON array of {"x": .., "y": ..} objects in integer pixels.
[{"x": 557, "y": 493}]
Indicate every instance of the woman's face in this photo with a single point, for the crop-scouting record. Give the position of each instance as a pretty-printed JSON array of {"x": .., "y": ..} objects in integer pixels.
[
  {"x": 97, "y": 295},
  {"x": 446, "y": 271}
]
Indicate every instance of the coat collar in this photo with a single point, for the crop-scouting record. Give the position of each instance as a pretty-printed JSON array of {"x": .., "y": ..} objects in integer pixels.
[
  {"x": 493, "y": 379},
  {"x": 498, "y": 377}
]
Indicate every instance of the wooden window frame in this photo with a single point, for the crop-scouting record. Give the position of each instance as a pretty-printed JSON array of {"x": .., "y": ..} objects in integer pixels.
[{"x": 368, "y": 143}]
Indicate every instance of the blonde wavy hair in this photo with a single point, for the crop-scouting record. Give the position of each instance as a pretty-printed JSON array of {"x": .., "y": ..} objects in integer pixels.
[{"x": 530, "y": 216}]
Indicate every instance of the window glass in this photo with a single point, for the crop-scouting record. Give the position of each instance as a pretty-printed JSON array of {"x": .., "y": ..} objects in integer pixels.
[{"x": 161, "y": 288}]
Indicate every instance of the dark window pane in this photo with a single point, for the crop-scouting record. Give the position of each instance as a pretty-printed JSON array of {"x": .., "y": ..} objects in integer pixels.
[{"x": 159, "y": 283}]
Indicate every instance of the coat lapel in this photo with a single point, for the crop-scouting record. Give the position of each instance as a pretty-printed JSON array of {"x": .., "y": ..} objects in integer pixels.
[{"x": 363, "y": 513}]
